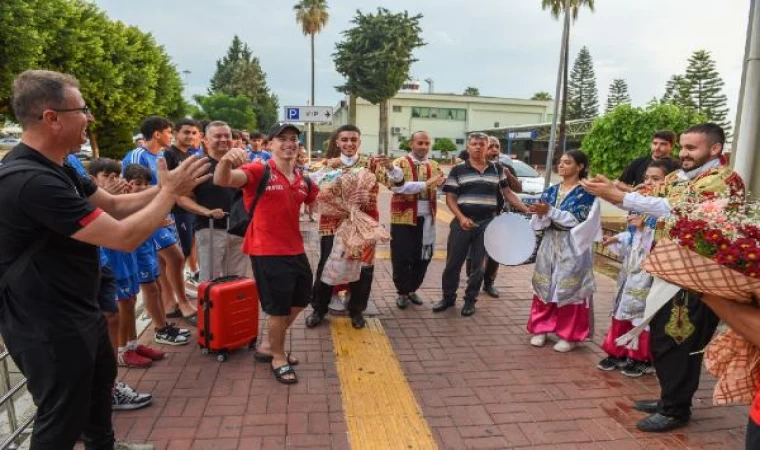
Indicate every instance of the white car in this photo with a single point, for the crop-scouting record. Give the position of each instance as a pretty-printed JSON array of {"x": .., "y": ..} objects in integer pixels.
[{"x": 532, "y": 181}]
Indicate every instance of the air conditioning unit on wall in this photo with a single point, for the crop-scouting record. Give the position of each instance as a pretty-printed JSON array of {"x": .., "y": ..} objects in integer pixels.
[{"x": 395, "y": 130}]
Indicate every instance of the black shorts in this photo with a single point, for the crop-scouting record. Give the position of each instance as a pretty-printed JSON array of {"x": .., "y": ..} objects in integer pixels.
[
  {"x": 107, "y": 291},
  {"x": 284, "y": 282}
]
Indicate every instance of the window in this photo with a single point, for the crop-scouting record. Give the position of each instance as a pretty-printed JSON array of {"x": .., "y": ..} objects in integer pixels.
[
  {"x": 419, "y": 112},
  {"x": 496, "y": 124},
  {"x": 460, "y": 141},
  {"x": 415, "y": 111},
  {"x": 461, "y": 115},
  {"x": 396, "y": 108},
  {"x": 434, "y": 113}
]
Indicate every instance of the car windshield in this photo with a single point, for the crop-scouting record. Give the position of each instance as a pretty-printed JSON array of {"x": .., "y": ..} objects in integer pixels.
[{"x": 524, "y": 170}]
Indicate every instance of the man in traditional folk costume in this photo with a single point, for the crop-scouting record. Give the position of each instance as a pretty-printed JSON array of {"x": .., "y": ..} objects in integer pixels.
[
  {"x": 414, "y": 181},
  {"x": 683, "y": 327},
  {"x": 349, "y": 142}
]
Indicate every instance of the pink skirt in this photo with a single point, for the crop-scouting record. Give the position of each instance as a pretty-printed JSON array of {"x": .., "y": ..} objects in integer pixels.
[
  {"x": 619, "y": 328},
  {"x": 569, "y": 322}
]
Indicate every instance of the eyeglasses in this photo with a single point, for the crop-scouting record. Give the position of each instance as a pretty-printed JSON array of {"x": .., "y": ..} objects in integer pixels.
[{"x": 84, "y": 110}]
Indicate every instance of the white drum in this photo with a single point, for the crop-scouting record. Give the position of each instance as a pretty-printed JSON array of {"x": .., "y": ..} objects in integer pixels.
[{"x": 509, "y": 239}]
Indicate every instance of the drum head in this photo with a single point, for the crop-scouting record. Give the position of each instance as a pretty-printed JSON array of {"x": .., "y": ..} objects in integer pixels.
[{"x": 510, "y": 240}]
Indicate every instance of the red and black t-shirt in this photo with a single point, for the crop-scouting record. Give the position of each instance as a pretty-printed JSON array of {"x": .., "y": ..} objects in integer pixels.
[
  {"x": 275, "y": 228},
  {"x": 56, "y": 296}
]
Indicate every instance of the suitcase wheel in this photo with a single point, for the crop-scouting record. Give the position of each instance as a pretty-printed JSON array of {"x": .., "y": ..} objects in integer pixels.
[
  {"x": 252, "y": 344},
  {"x": 221, "y": 357},
  {"x": 204, "y": 351}
]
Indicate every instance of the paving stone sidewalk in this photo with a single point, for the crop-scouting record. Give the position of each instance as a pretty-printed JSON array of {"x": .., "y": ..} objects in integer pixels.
[{"x": 478, "y": 381}]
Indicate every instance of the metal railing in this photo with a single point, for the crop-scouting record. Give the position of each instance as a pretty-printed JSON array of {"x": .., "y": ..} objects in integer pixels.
[{"x": 17, "y": 425}]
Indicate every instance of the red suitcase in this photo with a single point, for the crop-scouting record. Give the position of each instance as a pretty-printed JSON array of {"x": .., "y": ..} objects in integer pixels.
[{"x": 228, "y": 313}]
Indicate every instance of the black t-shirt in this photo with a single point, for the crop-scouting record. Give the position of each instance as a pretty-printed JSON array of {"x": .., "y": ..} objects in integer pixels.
[
  {"x": 174, "y": 157},
  {"x": 212, "y": 196},
  {"x": 56, "y": 296},
  {"x": 633, "y": 175}
]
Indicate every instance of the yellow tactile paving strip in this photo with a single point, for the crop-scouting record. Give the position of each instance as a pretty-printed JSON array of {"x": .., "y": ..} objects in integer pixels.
[{"x": 380, "y": 409}]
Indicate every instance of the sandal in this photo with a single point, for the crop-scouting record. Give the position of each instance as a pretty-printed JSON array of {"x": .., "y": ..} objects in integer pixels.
[
  {"x": 176, "y": 314},
  {"x": 266, "y": 357},
  {"x": 282, "y": 371}
]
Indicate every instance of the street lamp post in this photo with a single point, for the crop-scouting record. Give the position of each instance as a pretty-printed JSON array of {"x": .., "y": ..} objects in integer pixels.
[{"x": 558, "y": 92}]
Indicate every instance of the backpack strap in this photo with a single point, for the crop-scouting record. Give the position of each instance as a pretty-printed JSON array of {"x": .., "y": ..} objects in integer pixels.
[{"x": 261, "y": 187}]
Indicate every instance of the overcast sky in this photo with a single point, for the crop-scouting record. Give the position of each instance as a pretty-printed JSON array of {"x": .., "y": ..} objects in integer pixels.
[{"x": 505, "y": 48}]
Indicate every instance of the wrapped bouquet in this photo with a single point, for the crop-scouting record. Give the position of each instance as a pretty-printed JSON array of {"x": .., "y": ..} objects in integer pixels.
[{"x": 714, "y": 248}]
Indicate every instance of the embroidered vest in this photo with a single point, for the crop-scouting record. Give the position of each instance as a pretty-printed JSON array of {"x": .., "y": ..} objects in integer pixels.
[
  {"x": 328, "y": 225},
  {"x": 404, "y": 206}
]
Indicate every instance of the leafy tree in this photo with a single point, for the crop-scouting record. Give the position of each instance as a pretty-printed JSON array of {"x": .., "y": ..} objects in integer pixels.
[
  {"x": 618, "y": 94},
  {"x": 472, "y": 92},
  {"x": 625, "y": 133},
  {"x": 544, "y": 96},
  {"x": 375, "y": 57},
  {"x": 706, "y": 87},
  {"x": 236, "y": 111},
  {"x": 403, "y": 144},
  {"x": 583, "y": 102},
  {"x": 312, "y": 15},
  {"x": 678, "y": 92},
  {"x": 444, "y": 145},
  {"x": 239, "y": 73},
  {"x": 557, "y": 9}
]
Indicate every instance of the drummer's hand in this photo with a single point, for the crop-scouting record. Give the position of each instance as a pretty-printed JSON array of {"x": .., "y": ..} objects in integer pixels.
[
  {"x": 540, "y": 208},
  {"x": 609, "y": 240},
  {"x": 466, "y": 223}
]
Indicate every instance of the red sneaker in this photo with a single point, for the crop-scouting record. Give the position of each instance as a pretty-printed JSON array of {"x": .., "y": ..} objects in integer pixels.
[
  {"x": 149, "y": 352},
  {"x": 130, "y": 358}
]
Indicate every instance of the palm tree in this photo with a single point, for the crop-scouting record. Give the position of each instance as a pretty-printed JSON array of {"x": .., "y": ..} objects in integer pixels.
[
  {"x": 544, "y": 96},
  {"x": 557, "y": 8},
  {"x": 312, "y": 15}
]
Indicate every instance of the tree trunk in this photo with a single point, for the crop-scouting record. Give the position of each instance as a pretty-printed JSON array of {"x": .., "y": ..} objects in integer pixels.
[
  {"x": 383, "y": 132},
  {"x": 352, "y": 109},
  {"x": 563, "y": 116},
  {"x": 311, "y": 126},
  {"x": 94, "y": 145}
]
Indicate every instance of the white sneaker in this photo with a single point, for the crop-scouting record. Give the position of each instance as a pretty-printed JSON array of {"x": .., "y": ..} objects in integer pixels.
[
  {"x": 538, "y": 340},
  {"x": 563, "y": 346},
  {"x": 128, "y": 446}
]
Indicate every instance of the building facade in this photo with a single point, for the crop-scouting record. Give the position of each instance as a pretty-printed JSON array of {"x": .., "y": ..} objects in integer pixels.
[{"x": 442, "y": 115}]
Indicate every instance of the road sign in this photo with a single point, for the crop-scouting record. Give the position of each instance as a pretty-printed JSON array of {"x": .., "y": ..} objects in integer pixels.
[
  {"x": 308, "y": 113},
  {"x": 528, "y": 135}
]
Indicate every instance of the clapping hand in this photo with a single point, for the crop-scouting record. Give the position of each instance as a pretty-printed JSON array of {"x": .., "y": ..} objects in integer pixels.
[
  {"x": 540, "y": 209},
  {"x": 182, "y": 180},
  {"x": 236, "y": 157}
]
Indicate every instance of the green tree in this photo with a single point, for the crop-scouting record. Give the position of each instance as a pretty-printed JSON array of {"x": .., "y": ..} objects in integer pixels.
[
  {"x": 678, "y": 92},
  {"x": 707, "y": 89},
  {"x": 583, "y": 101},
  {"x": 618, "y": 94},
  {"x": 472, "y": 92},
  {"x": 375, "y": 57},
  {"x": 444, "y": 146},
  {"x": 312, "y": 15},
  {"x": 236, "y": 111},
  {"x": 557, "y": 9},
  {"x": 239, "y": 73},
  {"x": 624, "y": 134},
  {"x": 543, "y": 96},
  {"x": 403, "y": 144}
]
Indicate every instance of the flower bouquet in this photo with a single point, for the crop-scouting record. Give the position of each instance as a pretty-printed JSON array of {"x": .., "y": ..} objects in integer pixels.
[
  {"x": 358, "y": 233},
  {"x": 714, "y": 248}
]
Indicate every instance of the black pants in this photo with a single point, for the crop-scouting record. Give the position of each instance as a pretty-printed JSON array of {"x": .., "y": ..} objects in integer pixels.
[
  {"x": 677, "y": 369},
  {"x": 753, "y": 436},
  {"x": 71, "y": 382},
  {"x": 406, "y": 250},
  {"x": 460, "y": 244},
  {"x": 322, "y": 292},
  {"x": 489, "y": 273}
]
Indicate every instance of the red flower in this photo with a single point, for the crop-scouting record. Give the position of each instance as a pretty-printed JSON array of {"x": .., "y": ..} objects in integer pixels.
[
  {"x": 751, "y": 254},
  {"x": 751, "y": 231},
  {"x": 745, "y": 244},
  {"x": 752, "y": 271},
  {"x": 728, "y": 257},
  {"x": 713, "y": 236},
  {"x": 722, "y": 244}
]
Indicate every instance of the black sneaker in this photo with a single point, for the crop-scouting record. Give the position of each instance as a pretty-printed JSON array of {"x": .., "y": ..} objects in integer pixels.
[
  {"x": 402, "y": 301},
  {"x": 314, "y": 319},
  {"x": 170, "y": 336},
  {"x": 358, "y": 321},
  {"x": 414, "y": 298},
  {"x": 125, "y": 398},
  {"x": 442, "y": 305},
  {"x": 610, "y": 363},
  {"x": 635, "y": 369},
  {"x": 180, "y": 331}
]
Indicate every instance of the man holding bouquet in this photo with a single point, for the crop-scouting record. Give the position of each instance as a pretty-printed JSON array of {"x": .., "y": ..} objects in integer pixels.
[
  {"x": 682, "y": 328},
  {"x": 348, "y": 141}
]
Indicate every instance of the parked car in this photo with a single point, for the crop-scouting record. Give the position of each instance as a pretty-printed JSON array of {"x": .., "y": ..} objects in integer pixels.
[
  {"x": 8, "y": 143},
  {"x": 532, "y": 181}
]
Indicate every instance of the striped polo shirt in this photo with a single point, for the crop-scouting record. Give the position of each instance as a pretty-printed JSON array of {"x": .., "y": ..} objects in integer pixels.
[{"x": 477, "y": 193}]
